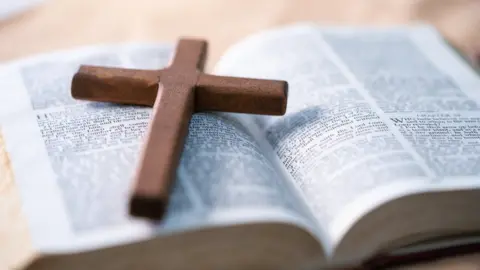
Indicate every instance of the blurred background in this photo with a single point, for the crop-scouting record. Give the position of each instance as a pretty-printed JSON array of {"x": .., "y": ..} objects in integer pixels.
[{"x": 43, "y": 25}]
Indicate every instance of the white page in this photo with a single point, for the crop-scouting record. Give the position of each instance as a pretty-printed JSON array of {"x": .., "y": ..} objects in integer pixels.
[
  {"x": 427, "y": 95},
  {"x": 73, "y": 160},
  {"x": 337, "y": 141}
]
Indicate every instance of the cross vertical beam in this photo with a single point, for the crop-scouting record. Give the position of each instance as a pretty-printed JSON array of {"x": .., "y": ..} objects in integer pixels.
[{"x": 161, "y": 150}]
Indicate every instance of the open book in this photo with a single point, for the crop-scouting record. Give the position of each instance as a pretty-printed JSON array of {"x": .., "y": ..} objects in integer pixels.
[{"x": 377, "y": 155}]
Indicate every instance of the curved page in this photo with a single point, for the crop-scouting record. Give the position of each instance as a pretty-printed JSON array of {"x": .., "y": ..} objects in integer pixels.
[{"x": 373, "y": 113}]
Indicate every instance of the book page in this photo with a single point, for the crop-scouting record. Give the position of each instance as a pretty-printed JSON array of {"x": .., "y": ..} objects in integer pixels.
[
  {"x": 73, "y": 161},
  {"x": 373, "y": 113},
  {"x": 429, "y": 98}
]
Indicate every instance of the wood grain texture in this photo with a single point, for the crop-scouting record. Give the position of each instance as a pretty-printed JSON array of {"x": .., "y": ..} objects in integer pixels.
[
  {"x": 61, "y": 24},
  {"x": 119, "y": 85},
  {"x": 242, "y": 95},
  {"x": 162, "y": 150}
]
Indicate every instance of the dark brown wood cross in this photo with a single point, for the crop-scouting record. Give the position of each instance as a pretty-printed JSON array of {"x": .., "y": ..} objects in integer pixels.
[{"x": 175, "y": 92}]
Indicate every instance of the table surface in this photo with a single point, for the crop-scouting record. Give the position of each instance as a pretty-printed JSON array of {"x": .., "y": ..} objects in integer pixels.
[{"x": 61, "y": 24}]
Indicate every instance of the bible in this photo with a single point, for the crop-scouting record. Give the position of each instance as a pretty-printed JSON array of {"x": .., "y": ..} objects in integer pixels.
[{"x": 376, "y": 160}]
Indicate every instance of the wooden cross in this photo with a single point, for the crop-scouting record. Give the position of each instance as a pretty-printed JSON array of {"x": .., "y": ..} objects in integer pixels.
[{"x": 175, "y": 93}]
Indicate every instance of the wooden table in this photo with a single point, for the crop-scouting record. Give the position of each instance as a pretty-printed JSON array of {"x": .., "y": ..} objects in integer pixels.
[{"x": 60, "y": 24}]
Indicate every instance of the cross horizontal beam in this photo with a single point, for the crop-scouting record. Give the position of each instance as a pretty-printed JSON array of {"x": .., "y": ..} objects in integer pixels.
[{"x": 212, "y": 93}]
